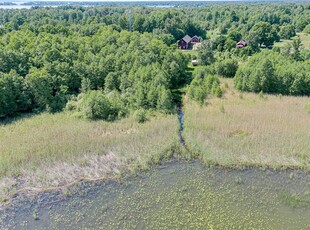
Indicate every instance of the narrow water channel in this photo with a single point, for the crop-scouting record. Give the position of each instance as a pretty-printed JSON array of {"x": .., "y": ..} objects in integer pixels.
[
  {"x": 181, "y": 115},
  {"x": 181, "y": 195}
]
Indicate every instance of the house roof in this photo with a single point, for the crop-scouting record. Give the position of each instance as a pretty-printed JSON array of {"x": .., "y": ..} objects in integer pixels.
[
  {"x": 242, "y": 42},
  {"x": 187, "y": 39}
]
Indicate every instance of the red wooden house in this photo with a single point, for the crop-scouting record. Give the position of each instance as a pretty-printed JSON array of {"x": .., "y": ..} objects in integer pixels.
[{"x": 184, "y": 42}]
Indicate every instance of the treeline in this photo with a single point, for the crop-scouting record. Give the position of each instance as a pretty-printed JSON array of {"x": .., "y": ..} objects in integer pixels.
[
  {"x": 273, "y": 72},
  {"x": 245, "y": 16},
  {"x": 43, "y": 71},
  {"x": 172, "y": 24},
  {"x": 284, "y": 19},
  {"x": 89, "y": 57}
]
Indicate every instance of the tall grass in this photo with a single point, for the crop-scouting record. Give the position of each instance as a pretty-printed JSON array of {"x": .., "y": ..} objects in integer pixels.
[
  {"x": 55, "y": 149},
  {"x": 249, "y": 130}
]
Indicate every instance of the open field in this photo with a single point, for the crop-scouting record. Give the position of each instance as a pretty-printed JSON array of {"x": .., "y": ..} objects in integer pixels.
[
  {"x": 305, "y": 41},
  {"x": 249, "y": 130},
  {"x": 56, "y": 149}
]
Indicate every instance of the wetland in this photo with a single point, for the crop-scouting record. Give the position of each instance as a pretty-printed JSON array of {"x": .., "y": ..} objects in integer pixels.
[
  {"x": 92, "y": 103},
  {"x": 181, "y": 195}
]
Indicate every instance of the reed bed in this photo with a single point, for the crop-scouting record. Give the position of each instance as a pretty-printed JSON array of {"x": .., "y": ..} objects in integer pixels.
[
  {"x": 56, "y": 149},
  {"x": 245, "y": 129}
]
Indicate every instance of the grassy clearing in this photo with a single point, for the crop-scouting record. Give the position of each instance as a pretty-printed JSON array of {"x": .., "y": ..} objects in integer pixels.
[
  {"x": 305, "y": 41},
  {"x": 56, "y": 149},
  {"x": 250, "y": 130}
]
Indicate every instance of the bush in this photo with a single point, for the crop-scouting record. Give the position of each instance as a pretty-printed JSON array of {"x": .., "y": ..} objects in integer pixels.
[
  {"x": 140, "y": 115},
  {"x": 71, "y": 104},
  {"x": 227, "y": 68},
  {"x": 95, "y": 105},
  {"x": 218, "y": 92},
  {"x": 92, "y": 105},
  {"x": 203, "y": 85}
]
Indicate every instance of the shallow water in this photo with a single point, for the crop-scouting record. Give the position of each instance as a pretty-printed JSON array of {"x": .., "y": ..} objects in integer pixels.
[
  {"x": 15, "y": 7},
  {"x": 180, "y": 118},
  {"x": 177, "y": 196}
]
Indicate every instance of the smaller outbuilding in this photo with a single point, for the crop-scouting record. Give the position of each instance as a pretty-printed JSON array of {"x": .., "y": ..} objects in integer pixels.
[
  {"x": 241, "y": 44},
  {"x": 195, "y": 39}
]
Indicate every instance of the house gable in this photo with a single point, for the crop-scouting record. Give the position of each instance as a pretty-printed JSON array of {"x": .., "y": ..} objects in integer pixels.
[{"x": 195, "y": 39}]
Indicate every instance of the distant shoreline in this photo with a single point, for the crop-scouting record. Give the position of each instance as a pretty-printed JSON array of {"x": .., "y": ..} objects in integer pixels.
[
  {"x": 158, "y": 3},
  {"x": 6, "y": 5}
]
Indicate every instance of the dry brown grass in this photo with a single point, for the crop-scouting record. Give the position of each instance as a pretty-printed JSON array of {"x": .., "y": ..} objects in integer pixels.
[
  {"x": 56, "y": 149},
  {"x": 250, "y": 130}
]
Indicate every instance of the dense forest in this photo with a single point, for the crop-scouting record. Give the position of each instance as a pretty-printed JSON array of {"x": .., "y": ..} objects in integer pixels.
[{"x": 105, "y": 62}]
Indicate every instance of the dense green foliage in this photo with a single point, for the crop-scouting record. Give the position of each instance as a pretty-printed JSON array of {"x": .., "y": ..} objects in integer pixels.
[
  {"x": 203, "y": 84},
  {"x": 286, "y": 32},
  {"x": 273, "y": 72},
  {"x": 94, "y": 105},
  {"x": 41, "y": 71},
  {"x": 50, "y": 55},
  {"x": 227, "y": 68}
]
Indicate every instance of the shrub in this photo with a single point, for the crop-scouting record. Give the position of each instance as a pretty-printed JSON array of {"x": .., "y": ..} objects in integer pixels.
[
  {"x": 227, "y": 68},
  {"x": 218, "y": 92},
  {"x": 140, "y": 115},
  {"x": 95, "y": 105},
  {"x": 118, "y": 108},
  {"x": 203, "y": 85},
  {"x": 71, "y": 105}
]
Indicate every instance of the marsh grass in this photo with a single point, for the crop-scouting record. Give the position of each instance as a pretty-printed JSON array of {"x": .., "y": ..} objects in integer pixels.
[
  {"x": 273, "y": 132},
  {"x": 55, "y": 149}
]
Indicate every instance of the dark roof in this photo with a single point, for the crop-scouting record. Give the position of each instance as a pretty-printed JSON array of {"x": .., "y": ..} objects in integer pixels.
[{"x": 187, "y": 39}]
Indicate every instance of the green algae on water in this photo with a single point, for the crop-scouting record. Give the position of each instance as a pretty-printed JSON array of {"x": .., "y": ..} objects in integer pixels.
[{"x": 177, "y": 196}]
